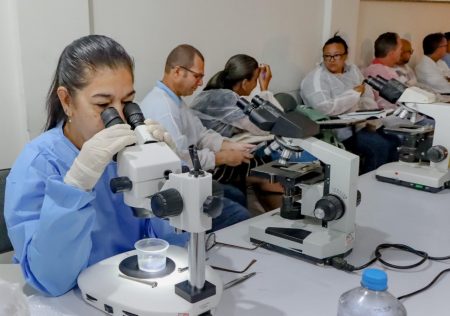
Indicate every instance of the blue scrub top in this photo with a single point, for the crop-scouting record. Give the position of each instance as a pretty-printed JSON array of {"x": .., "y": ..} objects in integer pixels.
[{"x": 58, "y": 230}]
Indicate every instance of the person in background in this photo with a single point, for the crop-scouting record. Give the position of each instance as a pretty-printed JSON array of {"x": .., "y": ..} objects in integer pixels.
[
  {"x": 432, "y": 71},
  {"x": 59, "y": 209},
  {"x": 388, "y": 48},
  {"x": 336, "y": 87},
  {"x": 183, "y": 74},
  {"x": 405, "y": 72},
  {"x": 446, "y": 58},
  {"x": 216, "y": 107},
  {"x": 216, "y": 104}
]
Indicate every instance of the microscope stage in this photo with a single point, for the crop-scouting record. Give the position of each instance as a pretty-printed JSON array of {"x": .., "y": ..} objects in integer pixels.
[
  {"x": 305, "y": 238},
  {"x": 105, "y": 287}
]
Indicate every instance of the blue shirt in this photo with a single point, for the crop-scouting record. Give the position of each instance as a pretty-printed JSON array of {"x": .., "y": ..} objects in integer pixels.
[
  {"x": 169, "y": 92},
  {"x": 56, "y": 229}
]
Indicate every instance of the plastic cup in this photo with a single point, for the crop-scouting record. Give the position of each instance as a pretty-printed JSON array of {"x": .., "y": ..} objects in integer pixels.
[{"x": 151, "y": 253}]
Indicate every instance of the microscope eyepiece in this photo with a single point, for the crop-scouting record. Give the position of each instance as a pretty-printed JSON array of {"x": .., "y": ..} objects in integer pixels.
[
  {"x": 257, "y": 100},
  {"x": 382, "y": 79},
  {"x": 375, "y": 83},
  {"x": 244, "y": 105},
  {"x": 111, "y": 117},
  {"x": 133, "y": 115}
]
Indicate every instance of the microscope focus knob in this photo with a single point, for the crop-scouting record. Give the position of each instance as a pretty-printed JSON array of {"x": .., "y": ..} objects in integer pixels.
[
  {"x": 213, "y": 204},
  {"x": 437, "y": 153},
  {"x": 120, "y": 184},
  {"x": 167, "y": 203},
  {"x": 329, "y": 207}
]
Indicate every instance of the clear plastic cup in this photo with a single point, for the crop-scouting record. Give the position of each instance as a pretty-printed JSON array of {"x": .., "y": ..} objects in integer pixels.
[{"x": 151, "y": 253}]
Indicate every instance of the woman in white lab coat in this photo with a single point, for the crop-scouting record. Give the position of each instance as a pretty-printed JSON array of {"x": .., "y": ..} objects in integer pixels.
[{"x": 335, "y": 87}]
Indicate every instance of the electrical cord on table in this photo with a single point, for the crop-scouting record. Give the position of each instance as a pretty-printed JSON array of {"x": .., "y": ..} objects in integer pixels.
[{"x": 342, "y": 264}]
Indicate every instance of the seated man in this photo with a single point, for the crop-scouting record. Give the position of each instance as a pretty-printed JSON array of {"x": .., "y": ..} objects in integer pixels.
[
  {"x": 432, "y": 70},
  {"x": 405, "y": 72},
  {"x": 446, "y": 58},
  {"x": 183, "y": 73},
  {"x": 387, "y": 54},
  {"x": 336, "y": 87}
]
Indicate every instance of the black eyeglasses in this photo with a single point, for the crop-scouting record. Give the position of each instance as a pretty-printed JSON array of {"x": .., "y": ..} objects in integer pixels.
[
  {"x": 328, "y": 58},
  {"x": 197, "y": 75},
  {"x": 211, "y": 242}
]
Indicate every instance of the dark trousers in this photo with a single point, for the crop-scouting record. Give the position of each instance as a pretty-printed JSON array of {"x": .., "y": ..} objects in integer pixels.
[{"x": 373, "y": 148}]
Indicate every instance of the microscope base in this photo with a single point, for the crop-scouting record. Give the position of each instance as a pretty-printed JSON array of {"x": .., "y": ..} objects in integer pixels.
[
  {"x": 421, "y": 177},
  {"x": 104, "y": 287},
  {"x": 304, "y": 239}
]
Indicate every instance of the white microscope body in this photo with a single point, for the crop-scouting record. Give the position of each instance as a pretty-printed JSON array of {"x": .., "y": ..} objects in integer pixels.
[
  {"x": 319, "y": 223},
  {"x": 328, "y": 207},
  {"x": 432, "y": 176},
  {"x": 150, "y": 173}
]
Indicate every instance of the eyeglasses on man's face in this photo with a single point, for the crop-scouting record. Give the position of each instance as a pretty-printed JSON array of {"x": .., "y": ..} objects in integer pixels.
[
  {"x": 197, "y": 75},
  {"x": 336, "y": 57}
]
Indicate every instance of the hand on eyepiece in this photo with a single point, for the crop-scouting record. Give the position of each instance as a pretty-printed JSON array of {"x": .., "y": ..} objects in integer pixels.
[
  {"x": 159, "y": 133},
  {"x": 96, "y": 153}
]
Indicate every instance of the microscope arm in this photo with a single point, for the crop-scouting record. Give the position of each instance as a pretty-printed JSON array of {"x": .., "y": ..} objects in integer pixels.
[
  {"x": 342, "y": 167},
  {"x": 440, "y": 112}
]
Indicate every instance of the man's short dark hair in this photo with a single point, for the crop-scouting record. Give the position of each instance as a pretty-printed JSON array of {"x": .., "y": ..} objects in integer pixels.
[
  {"x": 182, "y": 55},
  {"x": 431, "y": 42},
  {"x": 385, "y": 43}
]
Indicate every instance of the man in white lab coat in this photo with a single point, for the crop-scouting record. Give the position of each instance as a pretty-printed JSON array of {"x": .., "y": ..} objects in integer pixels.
[
  {"x": 183, "y": 74},
  {"x": 432, "y": 70}
]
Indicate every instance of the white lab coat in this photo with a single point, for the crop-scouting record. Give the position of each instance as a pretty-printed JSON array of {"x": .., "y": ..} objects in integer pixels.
[
  {"x": 433, "y": 74},
  {"x": 407, "y": 74},
  {"x": 333, "y": 94},
  {"x": 185, "y": 128}
]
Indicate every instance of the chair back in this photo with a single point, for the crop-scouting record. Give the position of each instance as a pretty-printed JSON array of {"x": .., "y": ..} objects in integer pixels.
[
  {"x": 287, "y": 101},
  {"x": 5, "y": 243}
]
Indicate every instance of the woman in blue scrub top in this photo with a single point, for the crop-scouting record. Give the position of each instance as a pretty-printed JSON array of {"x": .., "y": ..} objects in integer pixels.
[{"x": 60, "y": 212}]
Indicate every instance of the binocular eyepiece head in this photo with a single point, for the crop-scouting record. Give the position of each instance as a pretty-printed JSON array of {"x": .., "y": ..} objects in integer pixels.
[{"x": 132, "y": 112}]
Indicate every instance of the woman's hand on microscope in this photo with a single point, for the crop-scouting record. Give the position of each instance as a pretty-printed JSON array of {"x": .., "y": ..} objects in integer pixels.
[
  {"x": 230, "y": 145},
  {"x": 232, "y": 158}
]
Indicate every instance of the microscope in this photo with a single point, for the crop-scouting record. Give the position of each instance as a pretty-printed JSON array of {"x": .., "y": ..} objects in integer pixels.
[
  {"x": 316, "y": 220},
  {"x": 150, "y": 178},
  {"x": 423, "y": 157}
]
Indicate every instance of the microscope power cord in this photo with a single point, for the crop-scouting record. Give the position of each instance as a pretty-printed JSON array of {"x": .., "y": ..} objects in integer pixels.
[{"x": 341, "y": 264}]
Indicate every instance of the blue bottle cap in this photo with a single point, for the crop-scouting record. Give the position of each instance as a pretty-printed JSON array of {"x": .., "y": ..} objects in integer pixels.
[{"x": 374, "y": 279}]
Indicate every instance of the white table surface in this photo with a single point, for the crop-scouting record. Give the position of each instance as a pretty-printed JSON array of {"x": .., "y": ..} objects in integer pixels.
[{"x": 289, "y": 286}]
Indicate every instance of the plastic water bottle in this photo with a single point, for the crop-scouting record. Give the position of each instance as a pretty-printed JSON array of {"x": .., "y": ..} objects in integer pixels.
[{"x": 371, "y": 298}]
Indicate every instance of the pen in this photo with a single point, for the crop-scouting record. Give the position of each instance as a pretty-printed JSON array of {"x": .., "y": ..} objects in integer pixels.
[{"x": 238, "y": 280}]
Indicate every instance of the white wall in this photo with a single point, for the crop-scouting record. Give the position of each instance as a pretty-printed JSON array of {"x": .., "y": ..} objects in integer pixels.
[
  {"x": 342, "y": 17},
  {"x": 13, "y": 129},
  {"x": 411, "y": 20},
  {"x": 285, "y": 34},
  {"x": 45, "y": 28},
  {"x": 33, "y": 34}
]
